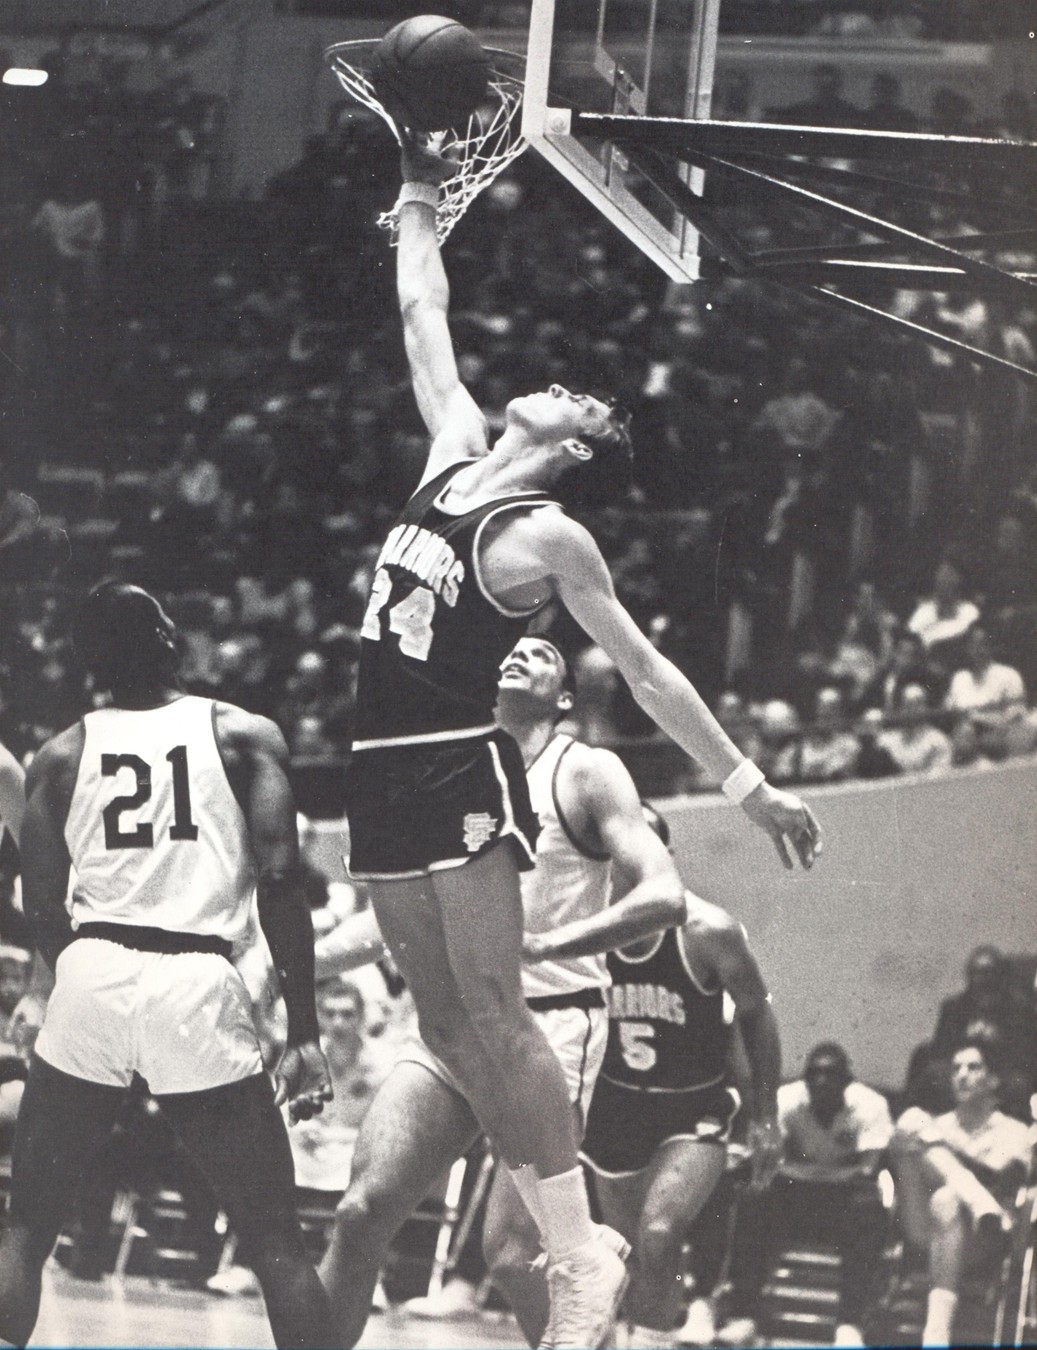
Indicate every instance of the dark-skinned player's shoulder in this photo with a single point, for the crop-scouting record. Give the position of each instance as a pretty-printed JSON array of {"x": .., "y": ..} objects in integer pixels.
[{"x": 241, "y": 732}]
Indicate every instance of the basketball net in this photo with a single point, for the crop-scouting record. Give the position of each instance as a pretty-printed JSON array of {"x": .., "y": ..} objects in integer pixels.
[{"x": 487, "y": 145}]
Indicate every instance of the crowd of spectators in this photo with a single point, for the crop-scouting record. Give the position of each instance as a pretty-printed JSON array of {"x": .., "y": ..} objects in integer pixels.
[{"x": 239, "y": 428}]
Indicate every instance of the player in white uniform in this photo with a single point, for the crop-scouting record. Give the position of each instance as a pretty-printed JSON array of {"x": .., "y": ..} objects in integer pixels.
[
  {"x": 591, "y": 823},
  {"x": 173, "y": 811}
]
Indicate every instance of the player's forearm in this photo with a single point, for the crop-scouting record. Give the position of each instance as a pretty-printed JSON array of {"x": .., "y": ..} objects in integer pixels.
[
  {"x": 421, "y": 279},
  {"x": 355, "y": 942},
  {"x": 651, "y": 906},
  {"x": 288, "y": 929},
  {"x": 762, "y": 1040},
  {"x": 676, "y": 706}
]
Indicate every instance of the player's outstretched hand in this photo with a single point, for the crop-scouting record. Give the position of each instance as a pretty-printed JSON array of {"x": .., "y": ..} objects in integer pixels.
[
  {"x": 765, "y": 1152},
  {"x": 420, "y": 162},
  {"x": 785, "y": 817},
  {"x": 303, "y": 1080}
]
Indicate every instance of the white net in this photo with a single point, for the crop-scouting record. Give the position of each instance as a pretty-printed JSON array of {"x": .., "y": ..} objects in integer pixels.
[{"x": 488, "y": 143}]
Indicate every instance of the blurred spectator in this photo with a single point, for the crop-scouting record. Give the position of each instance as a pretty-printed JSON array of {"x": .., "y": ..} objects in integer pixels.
[
  {"x": 942, "y": 619},
  {"x": 835, "y": 1132},
  {"x": 779, "y": 729},
  {"x": 988, "y": 702},
  {"x": 886, "y": 109},
  {"x": 874, "y": 759},
  {"x": 797, "y": 417},
  {"x": 827, "y": 751},
  {"x": 913, "y": 742},
  {"x": 956, "y": 1173},
  {"x": 323, "y": 1147},
  {"x": 70, "y": 222},
  {"x": 992, "y": 1005},
  {"x": 906, "y": 664},
  {"x": 865, "y": 645},
  {"x": 825, "y": 106},
  {"x": 185, "y": 127}
]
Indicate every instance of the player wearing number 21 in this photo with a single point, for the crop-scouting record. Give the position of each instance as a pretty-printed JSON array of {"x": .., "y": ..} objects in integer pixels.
[
  {"x": 438, "y": 807},
  {"x": 173, "y": 811}
]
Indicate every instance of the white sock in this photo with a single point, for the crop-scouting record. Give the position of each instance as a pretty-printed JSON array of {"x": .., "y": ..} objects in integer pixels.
[
  {"x": 647, "y": 1338},
  {"x": 565, "y": 1215},
  {"x": 939, "y": 1317},
  {"x": 527, "y": 1182}
]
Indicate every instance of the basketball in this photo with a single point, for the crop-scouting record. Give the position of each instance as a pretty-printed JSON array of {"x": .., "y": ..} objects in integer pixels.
[{"x": 430, "y": 73}]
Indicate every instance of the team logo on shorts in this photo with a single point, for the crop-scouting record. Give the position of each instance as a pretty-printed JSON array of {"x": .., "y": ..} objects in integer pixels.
[{"x": 479, "y": 829}]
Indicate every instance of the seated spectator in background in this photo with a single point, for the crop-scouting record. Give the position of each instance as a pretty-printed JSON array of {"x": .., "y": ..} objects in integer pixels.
[
  {"x": 956, "y": 1172},
  {"x": 874, "y": 760},
  {"x": 988, "y": 702},
  {"x": 779, "y": 727},
  {"x": 906, "y": 664},
  {"x": 827, "y": 751},
  {"x": 944, "y": 617},
  {"x": 913, "y": 742},
  {"x": 885, "y": 109},
  {"x": 989, "y": 1005},
  {"x": 866, "y": 644},
  {"x": 834, "y": 1132},
  {"x": 323, "y": 1146},
  {"x": 797, "y": 418},
  {"x": 71, "y": 224}
]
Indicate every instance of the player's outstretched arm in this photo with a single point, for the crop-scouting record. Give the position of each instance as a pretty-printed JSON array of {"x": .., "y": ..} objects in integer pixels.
[
  {"x": 12, "y": 794},
  {"x": 457, "y": 427},
  {"x": 44, "y": 853},
  {"x": 722, "y": 940},
  {"x": 604, "y": 799},
  {"x": 582, "y": 582},
  {"x": 257, "y": 758}
]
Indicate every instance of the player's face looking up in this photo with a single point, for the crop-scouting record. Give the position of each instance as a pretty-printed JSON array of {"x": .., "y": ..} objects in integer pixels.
[
  {"x": 535, "y": 670},
  {"x": 558, "y": 415}
]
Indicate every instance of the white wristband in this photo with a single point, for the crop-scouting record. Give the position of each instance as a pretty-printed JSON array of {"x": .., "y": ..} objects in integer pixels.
[
  {"x": 418, "y": 192},
  {"x": 745, "y": 779}
]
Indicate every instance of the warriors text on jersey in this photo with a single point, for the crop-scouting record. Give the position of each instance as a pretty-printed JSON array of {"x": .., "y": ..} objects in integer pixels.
[
  {"x": 154, "y": 831},
  {"x": 666, "y": 1033},
  {"x": 432, "y": 637},
  {"x": 567, "y": 883}
]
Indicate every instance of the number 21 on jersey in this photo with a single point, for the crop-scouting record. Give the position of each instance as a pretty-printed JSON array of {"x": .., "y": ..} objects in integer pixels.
[
  {"x": 143, "y": 834},
  {"x": 410, "y": 618}
]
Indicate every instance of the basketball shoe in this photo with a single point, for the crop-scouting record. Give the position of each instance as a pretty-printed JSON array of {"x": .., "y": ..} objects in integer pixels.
[{"x": 586, "y": 1288}]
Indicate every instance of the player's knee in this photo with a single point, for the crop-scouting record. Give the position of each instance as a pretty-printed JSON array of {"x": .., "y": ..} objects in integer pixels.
[
  {"x": 362, "y": 1213},
  {"x": 945, "y": 1208}
]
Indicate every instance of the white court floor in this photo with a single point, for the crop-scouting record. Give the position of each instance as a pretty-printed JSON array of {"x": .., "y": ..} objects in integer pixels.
[{"x": 136, "y": 1313}]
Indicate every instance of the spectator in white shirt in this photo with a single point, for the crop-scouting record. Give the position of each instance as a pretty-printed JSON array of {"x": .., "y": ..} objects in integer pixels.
[
  {"x": 946, "y": 615},
  {"x": 913, "y": 742},
  {"x": 988, "y": 701},
  {"x": 834, "y": 1131},
  {"x": 955, "y": 1173}
]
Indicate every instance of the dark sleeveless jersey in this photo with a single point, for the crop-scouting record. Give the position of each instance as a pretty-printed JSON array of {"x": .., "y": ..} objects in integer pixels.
[
  {"x": 666, "y": 1033},
  {"x": 432, "y": 639}
]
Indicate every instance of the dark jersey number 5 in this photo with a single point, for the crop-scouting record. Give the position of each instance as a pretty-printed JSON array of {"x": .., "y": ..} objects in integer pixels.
[{"x": 143, "y": 834}]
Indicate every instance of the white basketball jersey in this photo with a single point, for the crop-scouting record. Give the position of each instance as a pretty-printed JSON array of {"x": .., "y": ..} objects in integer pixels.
[
  {"x": 567, "y": 883},
  {"x": 154, "y": 830}
]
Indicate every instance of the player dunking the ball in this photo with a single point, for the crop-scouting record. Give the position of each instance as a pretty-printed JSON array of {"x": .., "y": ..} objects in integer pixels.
[
  {"x": 173, "y": 811},
  {"x": 438, "y": 807}
]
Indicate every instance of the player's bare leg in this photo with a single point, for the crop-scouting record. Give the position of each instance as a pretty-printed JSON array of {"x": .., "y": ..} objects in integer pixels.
[
  {"x": 457, "y": 939},
  {"x": 653, "y": 1209},
  {"x": 415, "y": 1128}
]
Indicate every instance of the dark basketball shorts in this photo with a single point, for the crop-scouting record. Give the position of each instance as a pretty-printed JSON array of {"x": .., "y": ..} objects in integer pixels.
[
  {"x": 626, "y": 1126},
  {"x": 418, "y": 808}
]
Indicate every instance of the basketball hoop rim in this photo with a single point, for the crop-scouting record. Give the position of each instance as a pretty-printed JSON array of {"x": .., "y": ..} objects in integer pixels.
[{"x": 500, "y": 57}]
